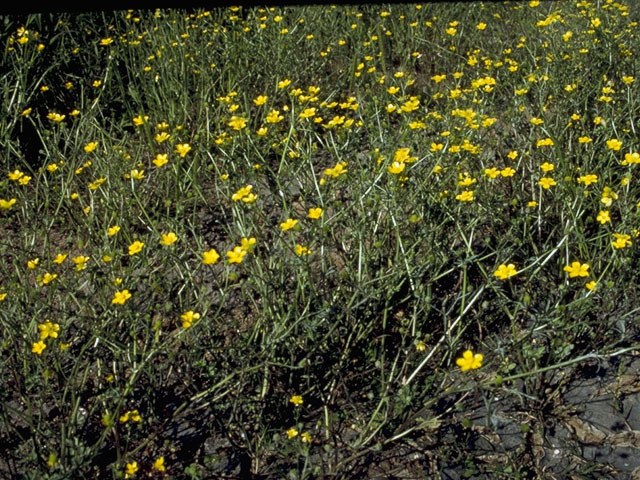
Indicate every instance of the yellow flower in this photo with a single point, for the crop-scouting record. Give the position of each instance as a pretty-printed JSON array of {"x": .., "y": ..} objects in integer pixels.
[
  {"x": 584, "y": 139},
  {"x": 296, "y": 400},
  {"x": 315, "y": 213},
  {"x": 291, "y": 433},
  {"x": 47, "y": 278},
  {"x": 161, "y": 159},
  {"x": 631, "y": 158},
  {"x": 288, "y": 224},
  {"x": 260, "y": 100},
  {"x": 507, "y": 172},
  {"x": 491, "y": 172},
  {"x": 512, "y": 155},
  {"x": 546, "y": 182},
  {"x": 614, "y": 144},
  {"x": 80, "y": 262},
  {"x": 15, "y": 175},
  {"x": 308, "y": 112},
  {"x": 121, "y": 297},
  {"x": 56, "y": 117},
  {"x": 262, "y": 131},
  {"x": 274, "y": 116},
  {"x": 306, "y": 437},
  {"x": 111, "y": 231},
  {"x": 236, "y": 255},
  {"x": 90, "y": 147},
  {"x": 61, "y": 257},
  {"x": 237, "y": 123},
  {"x": 135, "y": 247},
  {"x": 590, "y": 285},
  {"x": 536, "y": 121},
  {"x": 32, "y": 264},
  {"x": 48, "y": 329},
  {"x": 622, "y": 240},
  {"x": 26, "y": 111},
  {"x": 302, "y": 250},
  {"x": 547, "y": 167},
  {"x": 106, "y": 41},
  {"x": 132, "y": 415},
  {"x": 131, "y": 470},
  {"x": 588, "y": 179},
  {"x": 96, "y": 184},
  {"x": 576, "y": 269},
  {"x": 247, "y": 243},
  {"x": 159, "y": 464},
  {"x": 396, "y": 168},
  {"x": 337, "y": 170},
  {"x": 284, "y": 83},
  {"x": 469, "y": 361},
  {"x": 188, "y": 318},
  {"x": 505, "y": 271},
  {"x": 210, "y": 257},
  {"x": 603, "y": 216},
  {"x": 161, "y": 137},
  {"x": 465, "y": 196},
  {"x": 139, "y": 120},
  {"x": 38, "y": 347},
  {"x": 7, "y": 204},
  {"x": 136, "y": 174},
  {"x": 169, "y": 239},
  {"x": 182, "y": 149},
  {"x": 544, "y": 142}
]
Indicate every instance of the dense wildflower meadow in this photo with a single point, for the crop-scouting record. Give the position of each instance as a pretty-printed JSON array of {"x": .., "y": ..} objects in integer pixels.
[{"x": 304, "y": 241}]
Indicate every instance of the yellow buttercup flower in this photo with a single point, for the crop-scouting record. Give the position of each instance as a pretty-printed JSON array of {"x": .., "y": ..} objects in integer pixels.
[
  {"x": 288, "y": 224},
  {"x": 505, "y": 271},
  {"x": 396, "y": 168},
  {"x": 161, "y": 159},
  {"x": 236, "y": 255},
  {"x": 121, "y": 297},
  {"x": 38, "y": 347},
  {"x": 169, "y": 239},
  {"x": 315, "y": 213},
  {"x": 301, "y": 250},
  {"x": 48, "y": 329},
  {"x": 614, "y": 144},
  {"x": 135, "y": 247},
  {"x": 546, "y": 182},
  {"x": 465, "y": 196},
  {"x": 61, "y": 257},
  {"x": 7, "y": 204},
  {"x": 182, "y": 149},
  {"x": 188, "y": 318},
  {"x": 621, "y": 240},
  {"x": 470, "y": 361},
  {"x": 158, "y": 464},
  {"x": 576, "y": 269},
  {"x": 210, "y": 257}
]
